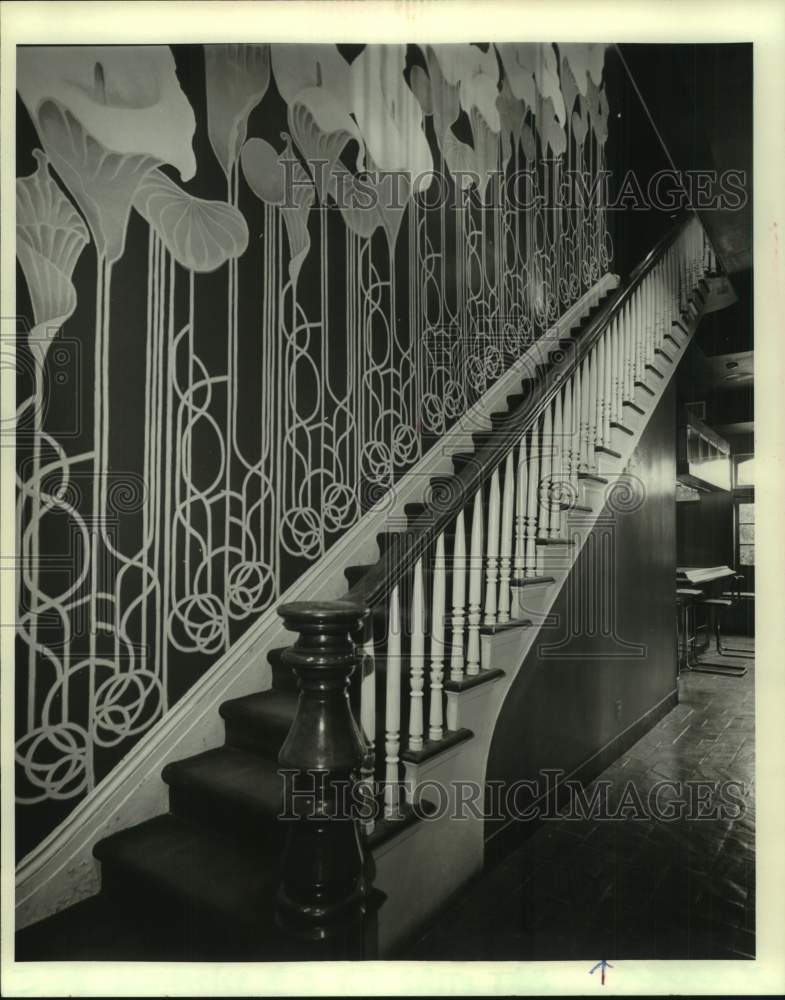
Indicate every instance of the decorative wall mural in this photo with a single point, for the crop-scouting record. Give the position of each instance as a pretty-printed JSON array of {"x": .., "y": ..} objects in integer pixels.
[{"x": 288, "y": 269}]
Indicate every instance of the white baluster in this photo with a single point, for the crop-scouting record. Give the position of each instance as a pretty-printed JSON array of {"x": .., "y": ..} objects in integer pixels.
[
  {"x": 533, "y": 502},
  {"x": 676, "y": 311},
  {"x": 546, "y": 452},
  {"x": 392, "y": 708},
  {"x": 616, "y": 395},
  {"x": 629, "y": 355},
  {"x": 475, "y": 590},
  {"x": 521, "y": 499},
  {"x": 658, "y": 300},
  {"x": 505, "y": 539},
  {"x": 368, "y": 723},
  {"x": 598, "y": 361},
  {"x": 607, "y": 403},
  {"x": 417, "y": 658},
  {"x": 682, "y": 276},
  {"x": 458, "y": 599},
  {"x": 593, "y": 394},
  {"x": 492, "y": 551},
  {"x": 640, "y": 326},
  {"x": 568, "y": 472},
  {"x": 652, "y": 316},
  {"x": 557, "y": 467},
  {"x": 584, "y": 416},
  {"x": 436, "y": 716}
]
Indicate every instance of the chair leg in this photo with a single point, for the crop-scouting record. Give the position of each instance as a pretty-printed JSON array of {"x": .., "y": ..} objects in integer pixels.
[
  {"x": 734, "y": 651},
  {"x": 726, "y": 670}
]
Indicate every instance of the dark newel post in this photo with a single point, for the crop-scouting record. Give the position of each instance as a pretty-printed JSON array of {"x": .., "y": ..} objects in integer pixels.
[{"x": 323, "y": 895}]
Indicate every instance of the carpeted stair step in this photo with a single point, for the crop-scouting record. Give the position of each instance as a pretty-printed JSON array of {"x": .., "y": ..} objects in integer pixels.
[
  {"x": 208, "y": 891},
  {"x": 236, "y": 793},
  {"x": 258, "y": 723}
]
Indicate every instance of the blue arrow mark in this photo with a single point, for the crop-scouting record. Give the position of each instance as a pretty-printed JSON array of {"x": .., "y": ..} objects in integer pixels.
[{"x": 602, "y": 965}]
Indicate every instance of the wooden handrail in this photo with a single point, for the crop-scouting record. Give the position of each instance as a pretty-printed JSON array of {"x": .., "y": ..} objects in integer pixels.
[{"x": 398, "y": 560}]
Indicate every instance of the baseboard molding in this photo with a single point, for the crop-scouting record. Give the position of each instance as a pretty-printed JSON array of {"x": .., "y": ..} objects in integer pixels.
[
  {"x": 512, "y": 834},
  {"x": 61, "y": 870}
]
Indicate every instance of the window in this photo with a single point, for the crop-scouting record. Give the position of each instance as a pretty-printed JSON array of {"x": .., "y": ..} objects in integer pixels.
[
  {"x": 746, "y": 533},
  {"x": 745, "y": 469}
]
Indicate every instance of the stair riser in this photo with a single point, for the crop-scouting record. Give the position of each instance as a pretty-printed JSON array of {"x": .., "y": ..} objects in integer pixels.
[
  {"x": 207, "y": 808},
  {"x": 211, "y": 934},
  {"x": 264, "y": 740}
]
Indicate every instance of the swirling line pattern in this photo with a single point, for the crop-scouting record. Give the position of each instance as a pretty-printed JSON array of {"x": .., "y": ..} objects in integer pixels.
[{"x": 237, "y": 490}]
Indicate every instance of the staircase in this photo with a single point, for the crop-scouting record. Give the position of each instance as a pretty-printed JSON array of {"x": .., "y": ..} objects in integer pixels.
[{"x": 456, "y": 598}]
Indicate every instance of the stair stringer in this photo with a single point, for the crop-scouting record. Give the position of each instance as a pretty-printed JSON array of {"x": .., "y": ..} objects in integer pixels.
[
  {"x": 427, "y": 864},
  {"x": 61, "y": 870}
]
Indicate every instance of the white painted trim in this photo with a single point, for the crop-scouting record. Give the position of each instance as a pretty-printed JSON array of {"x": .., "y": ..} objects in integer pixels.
[{"x": 61, "y": 869}]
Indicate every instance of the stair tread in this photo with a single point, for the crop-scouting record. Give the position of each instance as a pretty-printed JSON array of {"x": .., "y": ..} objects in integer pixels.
[
  {"x": 259, "y": 723},
  {"x": 193, "y": 864},
  {"x": 231, "y": 774},
  {"x": 271, "y": 707}
]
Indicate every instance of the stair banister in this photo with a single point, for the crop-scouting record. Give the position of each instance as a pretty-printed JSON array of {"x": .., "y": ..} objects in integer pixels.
[
  {"x": 323, "y": 883},
  {"x": 423, "y": 532}
]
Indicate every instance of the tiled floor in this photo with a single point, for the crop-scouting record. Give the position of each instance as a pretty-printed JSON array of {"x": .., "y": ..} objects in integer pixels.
[{"x": 631, "y": 888}]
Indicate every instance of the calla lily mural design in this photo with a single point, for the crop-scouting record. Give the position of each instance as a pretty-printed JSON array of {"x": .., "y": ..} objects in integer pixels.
[
  {"x": 201, "y": 235},
  {"x": 50, "y": 237},
  {"x": 236, "y": 79},
  {"x": 271, "y": 334},
  {"x": 107, "y": 115}
]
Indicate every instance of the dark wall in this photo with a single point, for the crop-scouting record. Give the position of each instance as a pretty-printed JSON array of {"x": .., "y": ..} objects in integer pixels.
[
  {"x": 591, "y": 677},
  {"x": 704, "y": 531}
]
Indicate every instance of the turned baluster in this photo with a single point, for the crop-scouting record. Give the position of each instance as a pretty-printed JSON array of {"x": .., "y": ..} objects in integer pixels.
[
  {"x": 629, "y": 358},
  {"x": 567, "y": 471},
  {"x": 583, "y": 446},
  {"x": 417, "y": 658},
  {"x": 475, "y": 590},
  {"x": 368, "y": 724},
  {"x": 521, "y": 499},
  {"x": 599, "y": 403},
  {"x": 505, "y": 539},
  {"x": 658, "y": 297},
  {"x": 436, "y": 715},
  {"x": 675, "y": 271},
  {"x": 458, "y": 623},
  {"x": 607, "y": 391},
  {"x": 593, "y": 400},
  {"x": 532, "y": 504},
  {"x": 392, "y": 709},
  {"x": 574, "y": 426},
  {"x": 616, "y": 395},
  {"x": 643, "y": 319},
  {"x": 557, "y": 491},
  {"x": 323, "y": 892},
  {"x": 640, "y": 322},
  {"x": 546, "y": 453},
  {"x": 684, "y": 276},
  {"x": 492, "y": 551}
]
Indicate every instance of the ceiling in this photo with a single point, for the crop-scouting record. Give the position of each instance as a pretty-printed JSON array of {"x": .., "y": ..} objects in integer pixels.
[{"x": 699, "y": 98}]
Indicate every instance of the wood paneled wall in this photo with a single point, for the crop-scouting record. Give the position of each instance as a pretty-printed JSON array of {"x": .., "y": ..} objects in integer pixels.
[{"x": 606, "y": 670}]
